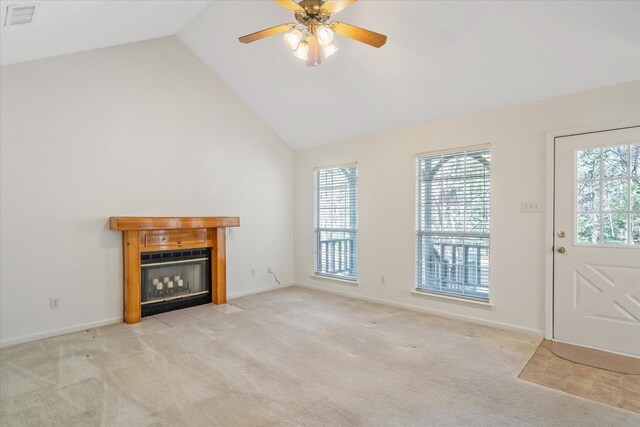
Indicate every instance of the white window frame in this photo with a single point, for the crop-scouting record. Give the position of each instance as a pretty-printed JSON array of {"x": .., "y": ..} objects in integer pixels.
[
  {"x": 353, "y": 260},
  {"x": 462, "y": 234}
]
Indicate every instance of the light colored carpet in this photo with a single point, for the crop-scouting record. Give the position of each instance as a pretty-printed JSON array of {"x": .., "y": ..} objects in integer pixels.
[
  {"x": 597, "y": 358},
  {"x": 289, "y": 357}
]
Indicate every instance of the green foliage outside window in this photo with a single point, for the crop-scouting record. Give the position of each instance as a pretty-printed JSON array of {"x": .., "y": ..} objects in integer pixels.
[{"x": 608, "y": 195}]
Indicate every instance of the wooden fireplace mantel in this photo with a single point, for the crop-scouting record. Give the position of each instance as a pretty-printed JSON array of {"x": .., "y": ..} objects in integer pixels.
[
  {"x": 149, "y": 234},
  {"x": 128, "y": 223}
]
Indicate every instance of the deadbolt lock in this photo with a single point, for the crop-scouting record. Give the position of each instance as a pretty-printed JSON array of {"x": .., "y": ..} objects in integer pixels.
[
  {"x": 561, "y": 250},
  {"x": 561, "y": 234}
]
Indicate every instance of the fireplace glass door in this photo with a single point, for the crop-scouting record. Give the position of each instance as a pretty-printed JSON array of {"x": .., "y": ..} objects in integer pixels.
[{"x": 175, "y": 279}]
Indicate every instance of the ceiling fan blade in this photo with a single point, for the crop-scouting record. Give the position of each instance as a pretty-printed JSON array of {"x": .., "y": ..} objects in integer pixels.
[
  {"x": 291, "y": 5},
  {"x": 265, "y": 33},
  {"x": 335, "y": 6},
  {"x": 360, "y": 34}
]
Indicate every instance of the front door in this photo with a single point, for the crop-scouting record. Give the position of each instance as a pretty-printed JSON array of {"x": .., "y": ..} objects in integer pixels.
[{"x": 597, "y": 240}]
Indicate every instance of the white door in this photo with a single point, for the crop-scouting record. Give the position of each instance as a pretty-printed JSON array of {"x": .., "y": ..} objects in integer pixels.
[{"x": 597, "y": 240}]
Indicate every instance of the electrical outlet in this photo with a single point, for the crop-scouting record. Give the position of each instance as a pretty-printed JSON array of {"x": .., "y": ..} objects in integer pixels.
[
  {"x": 268, "y": 269},
  {"x": 383, "y": 280},
  {"x": 253, "y": 272},
  {"x": 54, "y": 303}
]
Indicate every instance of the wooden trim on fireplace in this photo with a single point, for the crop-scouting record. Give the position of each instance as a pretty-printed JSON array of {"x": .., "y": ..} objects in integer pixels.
[
  {"x": 124, "y": 223},
  {"x": 145, "y": 234},
  {"x": 219, "y": 268},
  {"x": 132, "y": 310}
]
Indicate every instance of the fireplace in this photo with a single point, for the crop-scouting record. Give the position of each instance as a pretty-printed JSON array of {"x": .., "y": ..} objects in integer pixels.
[
  {"x": 172, "y": 262},
  {"x": 174, "y": 279}
]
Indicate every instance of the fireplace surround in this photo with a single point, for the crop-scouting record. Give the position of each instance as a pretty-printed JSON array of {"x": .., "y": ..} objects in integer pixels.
[{"x": 172, "y": 262}]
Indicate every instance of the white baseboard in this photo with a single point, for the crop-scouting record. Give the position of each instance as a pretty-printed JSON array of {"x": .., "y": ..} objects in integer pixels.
[
  {"x": 257, "y": 291},
  {"x": 76, "y": 328},
  {"x": 81, "y": 327},
  {"x": 464, "y": 318},
  {"x": 61, "y": 331}
]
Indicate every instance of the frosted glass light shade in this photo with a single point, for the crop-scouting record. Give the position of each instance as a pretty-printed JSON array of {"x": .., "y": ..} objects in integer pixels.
[
  {"x": 324, "y": 36},
  {"x": 329, "y": 50},
  {"x": 292, "y": 38},
  {"x": 302, "y": 50}
]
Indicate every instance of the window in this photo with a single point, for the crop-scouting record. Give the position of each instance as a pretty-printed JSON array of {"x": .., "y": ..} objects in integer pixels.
[
  {"x": 336, "y": 221},
  {"x": 608, "y": 195},
  {"x": 453, "y": 195}
]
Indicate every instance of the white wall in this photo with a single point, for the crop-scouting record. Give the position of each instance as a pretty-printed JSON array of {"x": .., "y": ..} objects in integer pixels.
[
  {"x": 139, "y": 129},
  {"x": 147, "y": 129},
  {"x": 386, "y": 164}
]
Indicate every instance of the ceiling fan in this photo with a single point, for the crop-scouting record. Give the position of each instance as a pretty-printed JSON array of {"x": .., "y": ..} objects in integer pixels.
[{"x": 312, "y": 36}]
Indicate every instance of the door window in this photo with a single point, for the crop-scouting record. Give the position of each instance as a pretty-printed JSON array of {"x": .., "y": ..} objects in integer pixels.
[{"x": 608, "y": 195}]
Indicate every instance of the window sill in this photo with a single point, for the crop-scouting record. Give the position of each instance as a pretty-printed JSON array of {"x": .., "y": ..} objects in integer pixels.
[
  {"x": 452, "y": 298},
  {"x": 353, "y": 282}
]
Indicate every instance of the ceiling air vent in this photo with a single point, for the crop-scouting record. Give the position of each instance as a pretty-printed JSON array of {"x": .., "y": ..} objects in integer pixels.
[{"x": 19, "y": 14}]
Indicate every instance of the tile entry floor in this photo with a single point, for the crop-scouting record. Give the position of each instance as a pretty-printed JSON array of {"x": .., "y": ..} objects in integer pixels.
[{"x": 604, "y": 386}]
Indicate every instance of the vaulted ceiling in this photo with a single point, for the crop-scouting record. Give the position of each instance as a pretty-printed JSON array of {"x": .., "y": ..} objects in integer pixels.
[{"x": 442, "y": 59}]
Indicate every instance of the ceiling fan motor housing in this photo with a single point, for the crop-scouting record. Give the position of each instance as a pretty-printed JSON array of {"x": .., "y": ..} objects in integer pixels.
[{"x": 312, "y": 12}]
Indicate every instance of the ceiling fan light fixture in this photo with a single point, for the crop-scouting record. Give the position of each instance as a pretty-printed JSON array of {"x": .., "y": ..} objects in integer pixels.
[
  {"x": 324, "y": 35},
  {"x": 310, "y": 36},
  {"x": 302, "y": 50},
  {"x": 329, "y": 50},
  {"x": 292, "y": 38}
]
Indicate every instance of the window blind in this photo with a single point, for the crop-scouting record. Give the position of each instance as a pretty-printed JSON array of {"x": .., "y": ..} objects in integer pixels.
[
  {"x": 336, "y": 221},
  {"x": 453, "y": 223}
]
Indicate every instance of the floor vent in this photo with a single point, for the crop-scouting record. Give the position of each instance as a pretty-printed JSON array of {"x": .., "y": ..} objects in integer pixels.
[{"x": 19, "y": 15}]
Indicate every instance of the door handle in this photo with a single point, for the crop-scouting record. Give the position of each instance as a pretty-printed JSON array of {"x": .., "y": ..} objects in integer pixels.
[
  {"x": 561, "y": 250},
  {"x": 561, "y": 234}
]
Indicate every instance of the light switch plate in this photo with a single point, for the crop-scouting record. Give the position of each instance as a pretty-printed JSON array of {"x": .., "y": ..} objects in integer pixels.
[{"x": 530, "y": 206}]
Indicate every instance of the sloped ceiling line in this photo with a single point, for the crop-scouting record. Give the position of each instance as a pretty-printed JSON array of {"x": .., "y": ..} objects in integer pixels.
[{"x": 442, "y": 59}]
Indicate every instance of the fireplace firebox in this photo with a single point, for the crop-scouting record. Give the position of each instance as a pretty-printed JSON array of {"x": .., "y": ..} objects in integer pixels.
[{"x": 174, "y": 279}]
